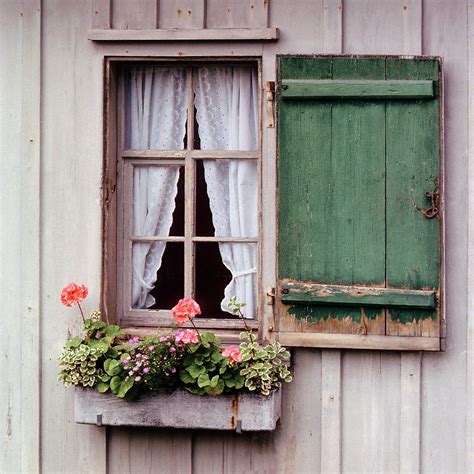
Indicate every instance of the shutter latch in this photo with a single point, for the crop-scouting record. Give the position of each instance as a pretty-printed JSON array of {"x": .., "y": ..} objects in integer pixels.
[{"x": 433, "y": 196}]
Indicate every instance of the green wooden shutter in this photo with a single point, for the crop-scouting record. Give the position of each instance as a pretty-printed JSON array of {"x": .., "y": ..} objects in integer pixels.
[{"x": 359, "y": 260}]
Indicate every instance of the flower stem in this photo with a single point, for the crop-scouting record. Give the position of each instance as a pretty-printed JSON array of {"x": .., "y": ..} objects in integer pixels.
[
  {"x": 194, "y": 326},
  {"x": 82, "y": 314}
]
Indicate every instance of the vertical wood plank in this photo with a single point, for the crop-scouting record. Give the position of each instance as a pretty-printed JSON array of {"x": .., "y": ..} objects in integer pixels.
[
  {"x": 101, "y": 14},
  {"x": 20, "y": 158},
  {"x": 470, "y": 309},
  {"x": 444, "y": 397},
  {"x": 410, "y": 410},
  {"x": 72, "y": 83},
  {"x": 371, "y": 412},
  {"x": 237, "y": 13},
  {"x": 296, "y": 445},
  {"x": 331, "y": 383},
  {"x": 136, "y": 15},
  {"x": 30, "y": 236},
  {"x": 374, "y": 27},
  {"x": 332, "y": 26},
  {"x": 184, "y": 14}
]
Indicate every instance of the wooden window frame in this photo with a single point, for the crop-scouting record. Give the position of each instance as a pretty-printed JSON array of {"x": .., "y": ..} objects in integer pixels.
[{"x": 118, "y": 164}]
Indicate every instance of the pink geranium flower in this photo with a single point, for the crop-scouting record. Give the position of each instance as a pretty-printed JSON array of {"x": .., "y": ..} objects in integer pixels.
[
  {"x": 73, "y": 294},
  {"x": 232, "y": 354},
  {"x": 186, "y": 309},
  {"x": 186, "y": 336}
]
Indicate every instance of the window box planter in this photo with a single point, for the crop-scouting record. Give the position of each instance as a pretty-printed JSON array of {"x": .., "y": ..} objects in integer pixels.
[{"x": 180, "y": 409}]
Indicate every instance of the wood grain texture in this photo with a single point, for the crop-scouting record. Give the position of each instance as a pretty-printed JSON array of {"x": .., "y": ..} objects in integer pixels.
[
  {"x": 370, "y": 412},
  {"x": 207, "y": 34},
  {"x": 470, "y": 308},
  {"x": 182, "y": 14},
  {"x": 70, "y": 218},
  {"x": 350, "y": 89},
  {"x": 331, "y": 411},
  {"x": 20, "y": 277},
  {"x": 101, "y": 14},
  {"x": 410, "y": 412},
  {"x": 444, "y": 449},
  {"x": 237, "y": 13},
  {"x": 136, "y": 15},
  {"x": 386, "y": 27}
]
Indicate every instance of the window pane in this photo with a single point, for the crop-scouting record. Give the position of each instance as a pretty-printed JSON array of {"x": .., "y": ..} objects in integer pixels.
[
  {"x": 230, "y": 199},
  {"x": 158, "y": 200},
  {"x": 224, "y": 270},
  {"x": 155, "y": 108},
  {"x": 157, "y": 274},
  {"x": 226, "y": 100},
  {"x": 211, "y": 277}
]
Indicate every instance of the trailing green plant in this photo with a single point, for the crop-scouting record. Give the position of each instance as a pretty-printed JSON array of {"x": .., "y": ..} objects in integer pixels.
[
  {"x": 206, "y": 371},
  {"x": 78, "y": 365},
  {"x": 264, "y": 367}
]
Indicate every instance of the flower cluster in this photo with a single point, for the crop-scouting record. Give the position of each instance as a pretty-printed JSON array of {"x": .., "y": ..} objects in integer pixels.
[
  {"x": 187, "y": 359},
  {"x": 186, "y": 309},
  {"x": 73, "y": 294},
  {"x": 232, "y": 354}
]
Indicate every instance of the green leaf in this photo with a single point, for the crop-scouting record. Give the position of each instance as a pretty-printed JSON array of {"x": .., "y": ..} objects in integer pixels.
[
  {"x": 112, "y": 330},
  {"x": 112, "y": 366},
  {"x": 186, "y": 377},
  {"x": 104, "y": 378},
  {"x": 115, "y": 384},
  {"x": 195, "y": 371},
  {"x": 124, "y": 387},
  {"x": 203, "y": 380},
  {"x": 73, "y": 342},
  {"x": 214, "y": 381},
  {"x": 112, "y": 353},
  {"x": 102, "y": 387},
  {"x": 99, "y": 345},
  {"x": 217, "y": 390}
]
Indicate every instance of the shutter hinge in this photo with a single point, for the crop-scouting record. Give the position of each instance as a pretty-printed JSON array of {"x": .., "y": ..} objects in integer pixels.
[
  {"x": 270, "y": 103},
  {"x": 271, "y": 297}
]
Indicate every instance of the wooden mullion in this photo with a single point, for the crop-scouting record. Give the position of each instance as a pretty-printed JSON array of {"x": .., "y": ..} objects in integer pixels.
[
  {"x": 157, "y": 238},
  {"x": 189, "y": 194},
  {"x": 122, "y": 268},
  {"x": 157, "y": 154},
  {"x": 225, "y": 155},
  {"x": 196, "y": 154}
]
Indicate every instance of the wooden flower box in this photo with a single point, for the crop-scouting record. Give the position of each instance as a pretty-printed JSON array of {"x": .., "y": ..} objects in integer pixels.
[{"x": 180, "y": 409}]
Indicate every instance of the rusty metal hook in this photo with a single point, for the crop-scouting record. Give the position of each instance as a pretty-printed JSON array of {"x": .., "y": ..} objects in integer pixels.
[{"x": 433, "y": 196}]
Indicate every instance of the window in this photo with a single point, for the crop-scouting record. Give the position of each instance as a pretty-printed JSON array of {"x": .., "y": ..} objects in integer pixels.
[{"x": 187, "y": 207}]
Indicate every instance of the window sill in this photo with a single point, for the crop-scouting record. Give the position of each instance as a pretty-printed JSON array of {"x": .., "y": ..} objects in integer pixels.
[
  {"x": 180, "y": 409},
  {"x": 206, "y": 34}
]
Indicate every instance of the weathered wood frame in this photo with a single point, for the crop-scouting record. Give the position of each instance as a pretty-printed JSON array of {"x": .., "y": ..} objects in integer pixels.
[
  {"x": 118, "y": 175},
  {"x": 292, "y": 332}
]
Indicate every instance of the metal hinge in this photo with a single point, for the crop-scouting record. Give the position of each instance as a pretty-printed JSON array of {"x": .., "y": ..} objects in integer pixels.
[{"x": 270, "y": 103}]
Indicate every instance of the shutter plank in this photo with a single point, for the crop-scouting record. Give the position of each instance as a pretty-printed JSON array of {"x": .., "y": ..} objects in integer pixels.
[
  {"x": 412, "y": 167},
  {"x": 330, "y": 89},
  {"x": 315, "y": 294},
  {"x": 323, "y": 182}
]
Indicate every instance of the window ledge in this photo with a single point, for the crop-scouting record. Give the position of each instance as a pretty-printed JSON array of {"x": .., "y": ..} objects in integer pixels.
[
  {"x": 206, "y": 34},
  {"x": 180, "y": 409}
]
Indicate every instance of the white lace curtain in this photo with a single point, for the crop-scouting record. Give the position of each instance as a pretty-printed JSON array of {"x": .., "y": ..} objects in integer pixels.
[
  {"x": 227, "y": 113},
  {"x": 155, "y": 119}
]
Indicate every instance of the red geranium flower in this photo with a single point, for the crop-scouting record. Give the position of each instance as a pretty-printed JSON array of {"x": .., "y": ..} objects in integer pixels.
[
  {"x": 186, "y": 309},
  {"x": 73, "y": 294}
]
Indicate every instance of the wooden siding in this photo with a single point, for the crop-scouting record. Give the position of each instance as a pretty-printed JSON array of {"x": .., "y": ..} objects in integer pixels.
[{"x": 350, "y": 411}]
